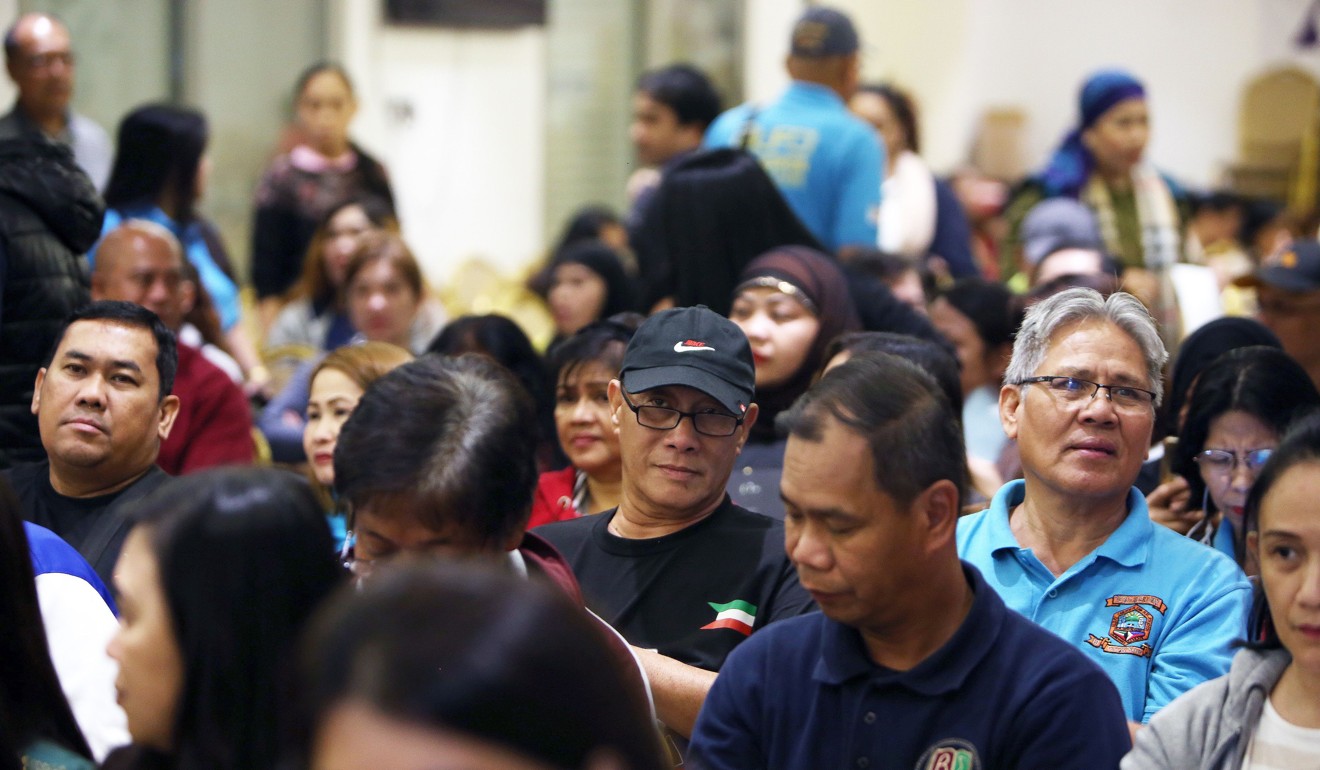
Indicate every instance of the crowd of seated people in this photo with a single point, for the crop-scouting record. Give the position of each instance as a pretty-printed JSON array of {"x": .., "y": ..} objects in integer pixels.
[{"x": 812, "y": 472}]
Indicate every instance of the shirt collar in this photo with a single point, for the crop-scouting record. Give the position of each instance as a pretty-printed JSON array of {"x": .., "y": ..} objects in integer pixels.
[
  {"x": 1129, "y": 545},
  {"x": 844, "y": 656},
  {"x": 804, "y": 91}
]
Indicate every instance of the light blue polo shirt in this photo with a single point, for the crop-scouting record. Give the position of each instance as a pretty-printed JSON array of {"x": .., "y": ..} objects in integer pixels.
[
  {"x": 1158, "y": 612},
  {"x": 827, "y": 162}
]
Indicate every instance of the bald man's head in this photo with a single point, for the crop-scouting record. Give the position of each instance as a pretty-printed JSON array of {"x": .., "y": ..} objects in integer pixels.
[
  {"x": 39, "y": 57},
  {"x": 142, "y": 262}
]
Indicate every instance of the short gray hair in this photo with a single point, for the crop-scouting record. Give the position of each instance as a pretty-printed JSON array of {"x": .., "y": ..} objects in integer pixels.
[{"x": 1081, "y": 304}]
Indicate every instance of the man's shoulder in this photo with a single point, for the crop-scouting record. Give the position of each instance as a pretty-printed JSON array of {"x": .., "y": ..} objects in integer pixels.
[
  {"x": 569, "y": 534},
  {"x": 1190, "y": 569},
  {"x": 789, "y": 645}
]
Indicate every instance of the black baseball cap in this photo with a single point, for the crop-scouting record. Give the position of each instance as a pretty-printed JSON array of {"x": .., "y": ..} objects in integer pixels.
[
  {"x": 823, "y": 32},
  {"x": 692, "y": 346},
  {"x": 1295, "y": 267}
]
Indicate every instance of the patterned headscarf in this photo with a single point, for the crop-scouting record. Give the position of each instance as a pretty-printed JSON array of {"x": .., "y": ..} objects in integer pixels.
[{"x": 816, "y": 280}]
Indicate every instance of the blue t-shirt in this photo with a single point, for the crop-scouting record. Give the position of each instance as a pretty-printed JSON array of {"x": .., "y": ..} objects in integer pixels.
[
  {"x": 827, "y": 162},
  {"x": 1001, "y": 693},
  {"x": 1158, "y": 612},
  {"x": 223, "y": 291}
]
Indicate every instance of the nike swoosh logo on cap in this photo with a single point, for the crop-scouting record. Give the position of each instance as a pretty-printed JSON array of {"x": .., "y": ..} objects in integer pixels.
[{"x": 682, "y": 347}]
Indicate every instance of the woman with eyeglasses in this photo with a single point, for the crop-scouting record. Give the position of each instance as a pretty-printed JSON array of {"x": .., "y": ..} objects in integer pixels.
[
  {"x": 1264, "y": 713},
  {"x": 1237, "y": 411}
]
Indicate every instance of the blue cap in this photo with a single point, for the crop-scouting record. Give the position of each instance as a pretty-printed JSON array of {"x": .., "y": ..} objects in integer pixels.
[{"x": 824, "y": 32}]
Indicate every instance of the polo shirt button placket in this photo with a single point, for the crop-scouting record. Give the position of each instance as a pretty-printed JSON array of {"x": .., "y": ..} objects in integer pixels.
[
  {"x": 1054, "y": 593},
  {"x": 869, "y": 718}
]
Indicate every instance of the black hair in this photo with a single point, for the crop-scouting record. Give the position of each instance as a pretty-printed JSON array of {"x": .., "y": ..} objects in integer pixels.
[
  {"x": 244, "y": 556},
  {"x": 1300, "y": 445},
  {"x": 601, "y": 342},
  {"x": 905, "y": 112},
  {"x": 32, "y": 704},
  {"x": 1218, "y": 201},
  {"x": 883, "y": 265},
  {"x": 503, "y": 340},
  {"x": 932, "y": 357},
  {"x": 586, "y": 224},
  {"x": 1200, "y": 349},
  {"x": 620, "y": 292},
  {"x": 468, "y": 648},
  {"x": 454, "y": 433},
  {"x": 313, "y": 70},
  {"x": 713, "y": 212},
  {"x": 129, "y": 314},
  {"x": 684, "y": 89},
  {"x": 1264, "y": 382},
  {"x": 891, "y": 403},
  {"x": 157, "y": 156},
  {"x": 989, "y": 306}
]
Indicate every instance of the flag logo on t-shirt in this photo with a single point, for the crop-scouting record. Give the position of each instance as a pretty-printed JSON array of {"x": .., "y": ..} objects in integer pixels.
[{"x": 737, "y": 615}]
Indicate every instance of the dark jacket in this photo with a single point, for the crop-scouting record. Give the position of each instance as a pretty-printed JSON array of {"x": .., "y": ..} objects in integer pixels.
[{"x": 50, "y": 215}]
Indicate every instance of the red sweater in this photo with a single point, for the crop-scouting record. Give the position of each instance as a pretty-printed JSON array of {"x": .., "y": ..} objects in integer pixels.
[{"x": 214, "y": 426}]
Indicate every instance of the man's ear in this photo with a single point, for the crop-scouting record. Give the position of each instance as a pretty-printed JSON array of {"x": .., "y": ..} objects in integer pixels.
[
  {"x": 1010, "y": 409},
  {"x": 169, "y": 410},
  {"x": 749, "y": 419},
  {"x": 36, "y": 389},
  {"x": 615, "y": 392},
  {"x": 938, "y": 508}
]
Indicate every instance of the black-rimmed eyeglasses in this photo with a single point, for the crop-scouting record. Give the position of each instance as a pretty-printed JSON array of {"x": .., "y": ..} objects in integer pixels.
[
  {"x": 1077, "y": 390},
  {"x": 717, "y": 424}
]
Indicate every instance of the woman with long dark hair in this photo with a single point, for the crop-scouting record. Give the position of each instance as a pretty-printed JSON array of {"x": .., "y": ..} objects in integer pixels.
[
  {"x": 216, "y": 579},
  {"x": 1265, "y": 712},
  {"x": 1238, "y": 410},
  {"x": 159, "y": 174},
  {"x": 583, "y": 366}
]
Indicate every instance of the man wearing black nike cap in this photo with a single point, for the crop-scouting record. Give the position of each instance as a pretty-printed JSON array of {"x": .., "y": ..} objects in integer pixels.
[{"x": 683, "y": 573}]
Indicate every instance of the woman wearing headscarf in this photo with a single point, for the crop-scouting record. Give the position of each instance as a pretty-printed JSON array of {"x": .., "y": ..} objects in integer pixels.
[
  {"x": 1101, "y": 163},
  {"x": 791, "y": 302}
]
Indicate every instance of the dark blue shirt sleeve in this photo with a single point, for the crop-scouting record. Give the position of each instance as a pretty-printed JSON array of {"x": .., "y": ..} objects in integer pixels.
[{"x": 727, "y": 735}]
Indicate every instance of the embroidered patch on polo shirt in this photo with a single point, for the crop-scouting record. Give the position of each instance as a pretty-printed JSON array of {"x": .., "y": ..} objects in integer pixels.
[{"x": 1131, "y": 626}]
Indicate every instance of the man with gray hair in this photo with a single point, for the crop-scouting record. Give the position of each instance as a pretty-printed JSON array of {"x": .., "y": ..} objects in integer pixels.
[{"x": 1071, "y": 545}]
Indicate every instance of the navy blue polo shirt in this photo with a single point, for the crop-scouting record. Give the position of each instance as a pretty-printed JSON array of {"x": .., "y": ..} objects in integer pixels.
[{"x": 1001, "y": 693}]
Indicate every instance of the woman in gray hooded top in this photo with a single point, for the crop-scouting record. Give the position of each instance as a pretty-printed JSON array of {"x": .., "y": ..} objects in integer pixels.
[{"x": 1266, "y": 712}]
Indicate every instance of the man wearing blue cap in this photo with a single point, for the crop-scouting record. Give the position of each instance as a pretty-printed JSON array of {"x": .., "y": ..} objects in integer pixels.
[
  {"x": 825, "y": 161},
  {"x": 1288, "y": 294},
  {"x": 678, "y": 569}
]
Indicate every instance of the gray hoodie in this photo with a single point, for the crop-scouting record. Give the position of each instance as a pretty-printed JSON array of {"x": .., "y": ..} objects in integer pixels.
[{"x": 1210, "y": 726}]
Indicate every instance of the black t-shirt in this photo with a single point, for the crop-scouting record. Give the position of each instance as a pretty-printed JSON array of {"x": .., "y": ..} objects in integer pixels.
[
  {"x": 692, "y": 595},
  {"x": 80, "y": 521}
]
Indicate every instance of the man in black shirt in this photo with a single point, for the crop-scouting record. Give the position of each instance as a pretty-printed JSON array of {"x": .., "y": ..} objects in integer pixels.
[
  {"x": 683, "y": 573},
  {"x": 103, "y": 406}
]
